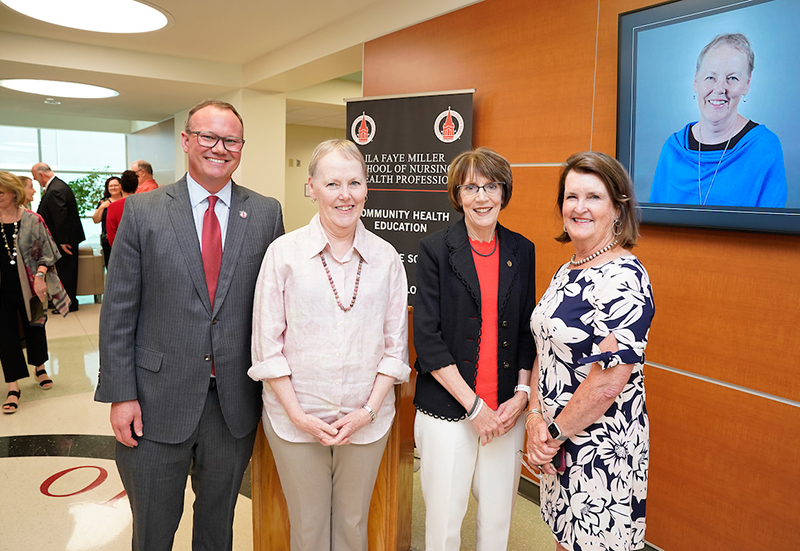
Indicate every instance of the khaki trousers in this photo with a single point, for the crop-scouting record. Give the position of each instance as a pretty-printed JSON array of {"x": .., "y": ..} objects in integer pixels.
[{"x": 328, "y": 490}]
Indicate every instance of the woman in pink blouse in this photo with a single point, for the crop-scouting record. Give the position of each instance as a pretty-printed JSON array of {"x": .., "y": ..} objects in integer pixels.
[{"x": 330, "y": 337}]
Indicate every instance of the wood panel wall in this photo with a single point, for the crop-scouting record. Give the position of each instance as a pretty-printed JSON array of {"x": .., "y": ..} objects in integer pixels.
[{"x": 724, "y": 462}]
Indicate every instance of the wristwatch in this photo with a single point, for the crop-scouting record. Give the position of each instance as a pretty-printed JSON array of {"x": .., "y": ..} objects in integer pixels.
[
  {"x": 40, "y": 274},
  {"x": 555, "y": 432}
]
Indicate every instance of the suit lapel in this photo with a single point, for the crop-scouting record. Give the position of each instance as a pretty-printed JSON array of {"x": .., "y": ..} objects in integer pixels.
[
  {"x": 180, "y": 214},
  {"x": 234, "y": 238},
  {"x": 509, "y": 267},
  {"x": 461, "y": 259}
]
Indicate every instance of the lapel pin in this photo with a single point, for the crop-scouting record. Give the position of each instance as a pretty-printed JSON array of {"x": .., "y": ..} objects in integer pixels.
[
  {"x": 509, "y": 263},
  {"x": 243, "y": 214}
]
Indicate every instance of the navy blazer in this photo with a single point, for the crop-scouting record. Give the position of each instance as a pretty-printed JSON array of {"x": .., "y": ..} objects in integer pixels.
[
  {"x": 158, "y": 330},
  {"x": 447, "y": 315}
]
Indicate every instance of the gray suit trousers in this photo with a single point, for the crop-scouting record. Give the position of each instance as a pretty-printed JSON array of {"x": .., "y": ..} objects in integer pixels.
[{"x": 154, "y": 476}]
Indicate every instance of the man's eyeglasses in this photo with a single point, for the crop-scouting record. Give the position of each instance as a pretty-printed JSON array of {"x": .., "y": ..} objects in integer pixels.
[
  {"x": 209, "y": 140},
  {"x": 492, "y": 188}
]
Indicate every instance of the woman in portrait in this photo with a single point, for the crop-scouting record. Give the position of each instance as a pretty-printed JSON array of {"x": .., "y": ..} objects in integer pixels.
[
  {"x": 27, "y": 274},
  {"x": 330, "y": 339},
  {"x": 587, "y": 428},
  {"x": 475, "y": 295},
  {"x": 724, "y": 158}
]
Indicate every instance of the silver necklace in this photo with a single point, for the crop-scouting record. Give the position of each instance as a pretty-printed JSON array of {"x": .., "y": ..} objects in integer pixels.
[
  {"x": 12, "y": 251},
  {"x": 593, "y": 255},
  {"x": 713, "y": 178}
]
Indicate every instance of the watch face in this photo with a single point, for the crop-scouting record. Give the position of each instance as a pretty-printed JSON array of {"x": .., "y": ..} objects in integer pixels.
[{"x": 554, "y": 431}]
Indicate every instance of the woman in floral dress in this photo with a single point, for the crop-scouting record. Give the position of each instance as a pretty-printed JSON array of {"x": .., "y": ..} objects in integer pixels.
[{"x": 588, "y": 433}]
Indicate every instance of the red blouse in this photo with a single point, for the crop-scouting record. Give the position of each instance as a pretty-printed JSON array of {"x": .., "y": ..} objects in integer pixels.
[{"x": 488, "y": 268}]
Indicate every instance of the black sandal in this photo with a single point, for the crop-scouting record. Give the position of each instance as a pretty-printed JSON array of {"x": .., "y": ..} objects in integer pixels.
[
  {"x": 9, "y": 406},
  {"x": 46, "y": 381}
]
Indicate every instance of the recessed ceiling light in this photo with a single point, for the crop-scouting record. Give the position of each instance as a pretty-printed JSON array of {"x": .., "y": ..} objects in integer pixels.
[
  {"x": 59, "y": 89},
  {"x": 103, "y": 16},
  {"x": 51, "y": 101}
]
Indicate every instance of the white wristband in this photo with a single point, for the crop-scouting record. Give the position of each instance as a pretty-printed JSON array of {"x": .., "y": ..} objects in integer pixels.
[{"x": 524, "y": 388}]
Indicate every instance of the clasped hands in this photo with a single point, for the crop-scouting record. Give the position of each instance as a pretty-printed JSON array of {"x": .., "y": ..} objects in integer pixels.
[
  {"x": 489, "y": 424},
  {"x": 541, "y": 447},
  {"x": 337, "y": 433}
]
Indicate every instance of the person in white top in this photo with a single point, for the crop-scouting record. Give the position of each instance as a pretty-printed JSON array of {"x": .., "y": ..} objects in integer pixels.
[{"x": 330, "y": 338}]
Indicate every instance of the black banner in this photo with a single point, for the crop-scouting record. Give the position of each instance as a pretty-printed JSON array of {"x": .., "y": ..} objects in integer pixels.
[{"x": 408, "y": 143}]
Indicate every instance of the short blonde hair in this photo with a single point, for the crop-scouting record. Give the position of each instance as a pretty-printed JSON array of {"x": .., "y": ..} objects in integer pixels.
[
  {"x": 11, "y": 183},
  {"x": 345, "y": 147}
]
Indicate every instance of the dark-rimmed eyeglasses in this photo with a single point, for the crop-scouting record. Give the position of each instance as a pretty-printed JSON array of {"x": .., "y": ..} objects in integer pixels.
[
  {"x": 492, "y": 188},
  {"x": 209, "y": 140}
]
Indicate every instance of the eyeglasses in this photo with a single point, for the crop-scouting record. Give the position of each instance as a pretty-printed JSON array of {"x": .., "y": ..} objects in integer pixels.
[
  {"x": 209, "y": 140},
  {"x": 492, "y": 188}
]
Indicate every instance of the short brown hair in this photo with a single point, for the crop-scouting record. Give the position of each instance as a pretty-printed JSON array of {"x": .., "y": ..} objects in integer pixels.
[
  {"x": 345, "y": 147},
  {"x": 214, "y": 103},
  {"x": 619, "y": 187},
  {"x": 128, "y": 181},
  {"x": 12, "y": 183},
  {"x": 484, "y": 161}
]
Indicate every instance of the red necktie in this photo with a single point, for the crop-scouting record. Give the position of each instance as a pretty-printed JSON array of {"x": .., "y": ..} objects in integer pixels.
[
  {"x": 212, "y": 252},
  {"x": 212, "y": 247}
]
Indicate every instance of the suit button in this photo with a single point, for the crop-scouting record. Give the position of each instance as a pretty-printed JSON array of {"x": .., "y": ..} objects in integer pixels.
[
  {"x": 505, "y": 344},
  {"x": 505, "y": 365},
  {"x": 207, "y": 357},
  {"x": 504, "y": 324},
  {"x": 214, "y": 321}
]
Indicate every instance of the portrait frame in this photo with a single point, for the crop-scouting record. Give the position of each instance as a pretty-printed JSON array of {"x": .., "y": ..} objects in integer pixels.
[{"x": 658, "y": 48}]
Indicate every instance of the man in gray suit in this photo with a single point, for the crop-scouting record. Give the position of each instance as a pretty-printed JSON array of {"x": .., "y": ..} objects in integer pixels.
[{"x": 174, "y": 349}]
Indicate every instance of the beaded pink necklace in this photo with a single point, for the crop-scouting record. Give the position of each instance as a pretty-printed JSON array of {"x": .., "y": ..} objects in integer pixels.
[{"x": 333, "y": 285}]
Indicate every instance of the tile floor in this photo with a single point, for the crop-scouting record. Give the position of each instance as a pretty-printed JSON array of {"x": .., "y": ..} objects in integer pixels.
[{"x": 59, "y": 487}]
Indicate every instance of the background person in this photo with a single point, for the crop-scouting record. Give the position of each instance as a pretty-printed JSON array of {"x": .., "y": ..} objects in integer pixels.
[
  {"x": 59, "y": 210},
  {"x": 724, "y": 158},
  {"x": 475, "y": 295},
  {"x": 128, "y": 184},
  {"x": 175, "y": 337},
  {"x": 29, "y": 191},
  {"x": 330, "y": 338},
  {"x": 27, "y": 272},
  {"x": 144, "y": 172},
  {"x": 113, "y": 192},
  {"x": 591, "y": 330}
]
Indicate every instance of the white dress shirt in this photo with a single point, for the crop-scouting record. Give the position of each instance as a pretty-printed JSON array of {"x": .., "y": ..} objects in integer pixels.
[
  {"x": 332, "y": 356},
  {"x": 198, "y": 198}
]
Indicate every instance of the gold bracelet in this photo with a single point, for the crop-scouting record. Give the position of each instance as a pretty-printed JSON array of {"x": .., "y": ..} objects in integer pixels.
[{"x": 529, "y": 415}]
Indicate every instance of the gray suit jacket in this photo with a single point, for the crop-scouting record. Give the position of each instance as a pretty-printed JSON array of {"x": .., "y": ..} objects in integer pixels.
[{"x": 158, "y": 332}]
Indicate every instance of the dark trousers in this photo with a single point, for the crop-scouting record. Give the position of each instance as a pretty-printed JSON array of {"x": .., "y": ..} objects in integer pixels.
[
  {"x": 154, "y": 476},
  {"x": 12, "y": 310},
  {"x": 67, "y": 269}
]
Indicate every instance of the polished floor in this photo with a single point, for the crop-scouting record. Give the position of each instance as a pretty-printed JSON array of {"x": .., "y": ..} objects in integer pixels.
[{"x": 59, "y": 487}]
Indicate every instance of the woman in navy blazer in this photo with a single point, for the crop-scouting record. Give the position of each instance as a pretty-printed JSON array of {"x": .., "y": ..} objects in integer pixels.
[{"x": 475, "y": 295}]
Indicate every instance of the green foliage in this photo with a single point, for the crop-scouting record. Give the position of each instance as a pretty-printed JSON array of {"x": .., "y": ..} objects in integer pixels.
[{"x": 89, "y": 190}]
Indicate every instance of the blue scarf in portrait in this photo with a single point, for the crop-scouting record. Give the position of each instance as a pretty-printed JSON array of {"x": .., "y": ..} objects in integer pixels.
[{"x": 750, "y": 174}]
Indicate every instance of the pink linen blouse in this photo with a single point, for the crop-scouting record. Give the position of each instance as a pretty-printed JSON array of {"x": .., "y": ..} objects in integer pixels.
[{"x": 332, "y": 356}]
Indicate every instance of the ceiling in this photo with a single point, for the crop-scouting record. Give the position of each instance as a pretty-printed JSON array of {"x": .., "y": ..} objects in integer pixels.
[{"x": 208, "y": 49}]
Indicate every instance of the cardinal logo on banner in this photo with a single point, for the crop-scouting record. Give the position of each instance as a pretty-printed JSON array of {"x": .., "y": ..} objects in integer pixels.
[
  {"x": 363, "y": 129},
  {"x": 448, "y": 126}
]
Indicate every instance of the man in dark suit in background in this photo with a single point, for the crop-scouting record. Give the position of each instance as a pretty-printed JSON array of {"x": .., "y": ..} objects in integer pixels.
[
  {"x": 175, "y": 337},
  {"x": 59, "y": 210}
]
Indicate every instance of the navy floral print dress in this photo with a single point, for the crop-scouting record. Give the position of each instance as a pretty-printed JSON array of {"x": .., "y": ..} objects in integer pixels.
[{"x": 599, "y": 502}]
